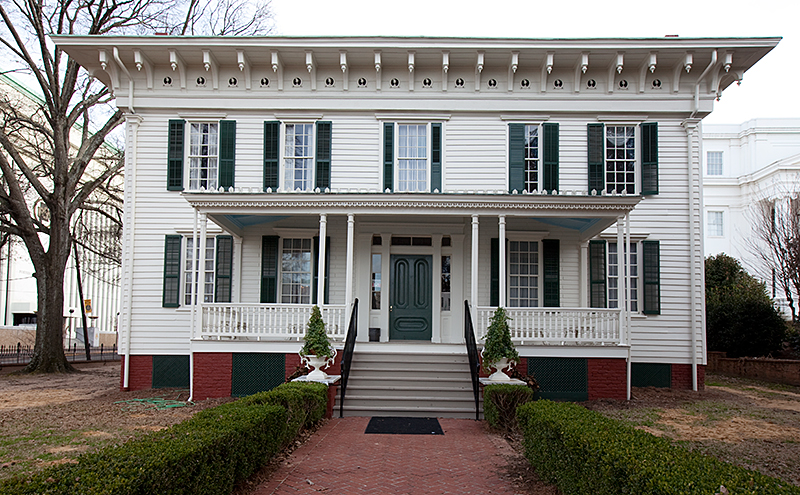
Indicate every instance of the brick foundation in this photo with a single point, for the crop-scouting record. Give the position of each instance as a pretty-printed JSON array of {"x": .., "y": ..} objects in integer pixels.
[
  {"x": 140, "y": 376},
  {"x": 682, "y": 377},
  {"x": 608, "y": 379},
  {"x": 212, "y": 375}
]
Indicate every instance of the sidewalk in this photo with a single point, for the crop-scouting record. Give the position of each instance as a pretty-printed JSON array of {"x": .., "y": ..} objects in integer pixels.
[{"x": 341, "y": 459}]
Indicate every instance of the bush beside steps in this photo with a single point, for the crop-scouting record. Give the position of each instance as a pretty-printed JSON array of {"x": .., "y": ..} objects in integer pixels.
[
  {"x": 583, "y": 452},
  {"x": 206, "y": 454}
]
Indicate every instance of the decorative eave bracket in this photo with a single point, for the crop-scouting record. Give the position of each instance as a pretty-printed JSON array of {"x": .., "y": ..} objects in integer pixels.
[
  {"x": 142, "y": 62},
  {"x": 547, "y": 68},
  {"x": 210, "y": 64},
  {"x": 110, "y": 68},
  {"x": 479, "y": 69},
  {"x": 311, "y": 67},
  {"x": 682, "y": 65},
  {"x": 445, "y": 69},
  {"x": 277, "y": 67},
  {"x": 649, "y": 64},
  {"x": 377, "y": 70},
  {"x": 512, "y": 70},
  {"x": 244, "y": 66},
  {"x": 345, "y": 69},
  {"x": 411, "y": 64},
  {"x": 581, "y": 66},
  {"x": 614, "y": 68},
  {"x": 177, "y": 64}
]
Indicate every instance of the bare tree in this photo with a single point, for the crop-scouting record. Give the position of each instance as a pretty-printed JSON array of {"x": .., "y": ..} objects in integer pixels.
[
  {"x": 53, "y": 157},
  {"x": 776, "y": 243}
]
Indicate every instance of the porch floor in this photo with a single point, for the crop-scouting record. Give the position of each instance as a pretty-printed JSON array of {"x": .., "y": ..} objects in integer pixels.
[{"x": 341, "y": 458}]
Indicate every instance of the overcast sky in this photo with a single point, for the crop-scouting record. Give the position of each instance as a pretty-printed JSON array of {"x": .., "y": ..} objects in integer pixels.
[{"x": 766, "y": 90}]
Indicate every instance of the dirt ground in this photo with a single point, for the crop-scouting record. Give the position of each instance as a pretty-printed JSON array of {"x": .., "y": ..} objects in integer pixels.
[{"x": 52, "y": 419}]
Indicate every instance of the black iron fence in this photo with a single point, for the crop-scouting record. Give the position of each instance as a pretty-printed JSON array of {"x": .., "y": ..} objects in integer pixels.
[{"x": 21, "y": 354}]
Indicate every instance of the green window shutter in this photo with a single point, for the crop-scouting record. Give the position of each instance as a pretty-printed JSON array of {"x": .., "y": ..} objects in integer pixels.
[
  {"x": 550, "y": 258},
  {"x": 271, "y": 151},
  {"x": 269, "y": 269},
  {"x": 516, "y": 157},
  {"x": 175, "y": 151},
  {"x": 227, "y": 153},
  {"x": 596, "y": 156},
  {"x": 650, "y": 158},
  {"x": 224, "y": 269},
  {"x": 388, "y": 156},
  {"x": 597, "y": 274},
  {"x": 651, "y": 258},
  {"x": 436, "y": 157},
  {"x": 323, "y": 161},
  {"x": 315, "y": 283},
  {"x": 550, "y": 156},
  {"x": 494, "y": 273},
  {"x": 172, "y": 271}
]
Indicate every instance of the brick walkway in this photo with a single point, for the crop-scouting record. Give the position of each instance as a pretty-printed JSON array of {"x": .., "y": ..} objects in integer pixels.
[{"x": 341, "y": 459}]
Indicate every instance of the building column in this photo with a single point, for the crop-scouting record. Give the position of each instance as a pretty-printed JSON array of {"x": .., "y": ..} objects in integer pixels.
[
  {"x": 436, "y": 297},
  {"x": 132, "y": 133},
  {"x": 501, "y": 245},
  {"x": 192, "y": 264},
  {"x": 323, "y": 224},
  {"x": 236, "y": 275},
  {"x": 199, "y": 253},
  {"x": 622, "y": 279},
  {"x": 474, "y": 270},
  {"x": 695, "y": 242},
  {"x": 583, "y": 269},
  {"x": 348, "y": 292}
]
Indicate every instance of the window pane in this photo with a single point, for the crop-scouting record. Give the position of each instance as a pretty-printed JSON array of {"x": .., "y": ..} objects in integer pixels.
[
  {"x": 714, "y": 163},
  {"x": 621, "y": 157},
  {"x": 523, "y": 260},
  {"x": 615, "y": 293},
  {"x": 298, "y": 157},
  {"x": 296, "y": 273},
  {"x": 203, "y": 152},
  {"x": 412, "y": 158}
]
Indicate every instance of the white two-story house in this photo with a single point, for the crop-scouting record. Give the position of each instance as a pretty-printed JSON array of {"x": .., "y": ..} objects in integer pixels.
[{"x": 432, "y": 180}]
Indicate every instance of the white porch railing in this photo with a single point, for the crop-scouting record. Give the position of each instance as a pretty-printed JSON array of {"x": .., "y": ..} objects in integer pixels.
[
  {"x": 268, "y": 321},
  {"x": 556, "y": 325}
]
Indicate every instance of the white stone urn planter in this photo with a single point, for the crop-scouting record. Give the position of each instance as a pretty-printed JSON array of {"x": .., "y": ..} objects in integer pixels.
[
  {"x": 316, "y": 363},
  {"x": 499, "y": 375}
]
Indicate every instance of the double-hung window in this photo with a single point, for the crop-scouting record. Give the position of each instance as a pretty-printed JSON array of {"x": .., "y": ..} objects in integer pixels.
[
  {"x": 623, "y": 158},
  {"x": 523, "y": 274},
  {"x": 289, "y": 269},
  {"x": 297, "y": 155},
  {"x": 209, "y": 155},
  {"x": 533, "y": 157},
  {"x": 715, "y": 226},
  {"x": 210, "y": 278},
  {"x": 714, "y": 163},
  {"x": 532, "y": 273},
  {"x": 607, "y": 276},
  {"x": 412, "y": 157},
  {"x": 616, "y": 276},
  {"x": 296, "y": 274}
]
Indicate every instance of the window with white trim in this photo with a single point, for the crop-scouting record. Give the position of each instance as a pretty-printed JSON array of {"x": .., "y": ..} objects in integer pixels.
[
  {"x": 532, "y": 170},
  {"x": 203, "y": 156},
  {"x": 714, "y": 163},
  {"x": 714, "y": 226},
  {"x": 298, "y": 157},
  {"x": 296, "y": 271},
  {"x": 620, "y": 169},
  {"x": 204, "y": 266},
  {"x": 614, "y": 274},
  {"x": 523, "y": 274},
  {"x": 412, "y": 157}
]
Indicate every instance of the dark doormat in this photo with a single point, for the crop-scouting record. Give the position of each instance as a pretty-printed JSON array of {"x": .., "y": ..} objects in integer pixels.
[{"x": 391, "y": 425}]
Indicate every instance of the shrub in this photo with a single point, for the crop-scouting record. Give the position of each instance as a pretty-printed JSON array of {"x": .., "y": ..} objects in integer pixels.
[
  {"x": 741, "y": 319},
  {"x": 305, "y": 404},
  {"x": 500, "y": 402},
  {"x": 583, "y": 452},
  {"x": 498, "y": 340},
  {"x": 316, "y": 340}
]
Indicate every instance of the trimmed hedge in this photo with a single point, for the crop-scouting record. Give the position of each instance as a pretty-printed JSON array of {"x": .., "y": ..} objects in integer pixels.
[
  {"x": 583, "y": 452},
  {"x": 500, "y": 403},
  {"x": 206, "y": 454}
]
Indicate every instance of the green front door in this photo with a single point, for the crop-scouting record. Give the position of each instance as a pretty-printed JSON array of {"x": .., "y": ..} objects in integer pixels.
[{"x": 410, "y": 298}]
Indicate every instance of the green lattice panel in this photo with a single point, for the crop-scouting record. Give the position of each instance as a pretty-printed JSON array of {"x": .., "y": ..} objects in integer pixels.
[
  {"x": 564, "y": 379},
  {"x": 170, "y": 371},
  {"x": 253, "y": 373},
  {"x": 651, "y": 375}
]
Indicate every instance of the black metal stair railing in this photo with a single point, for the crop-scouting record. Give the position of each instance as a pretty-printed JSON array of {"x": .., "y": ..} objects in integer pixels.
[
  {"x": 472, "y": 353},
  {"x": 347, "y": 358}
]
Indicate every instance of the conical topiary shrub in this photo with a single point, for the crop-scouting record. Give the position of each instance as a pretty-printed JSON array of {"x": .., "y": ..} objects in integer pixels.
[
  {"x": 316, "y": 340},
  {"x": 498, "y": 344}
]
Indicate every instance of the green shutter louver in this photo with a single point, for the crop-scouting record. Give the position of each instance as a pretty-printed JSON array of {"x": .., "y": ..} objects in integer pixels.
[
  {"x": 436, "y": 157},
  {"x": 315, "y": 282},
  {"x": 224, "y": 269},
  {"x": 388, "y": 156},
  {"x": 175, "y": 151},
  {"x": 323, "y": 159},
  {"x": 271, "y": 154},
  {"x": 172, "y": 271},
  {"x": 550, "y": 156},
  {"x": 550, "y": 257},
  {"x": 650, "y": 158},
  {"x": 516, "y": 157},
  {"x": 651, "y": 258},
  {"x": 597, "y": 274},
  {"x": 269, "y": 269},
  {"x": 494, "y": 274},
  {"x": 227, "y": 153},
  {"x": 596, "y": 157}
]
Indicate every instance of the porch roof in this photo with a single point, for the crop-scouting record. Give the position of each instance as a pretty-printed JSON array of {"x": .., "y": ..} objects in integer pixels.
[{"x": 588, "y": 215}]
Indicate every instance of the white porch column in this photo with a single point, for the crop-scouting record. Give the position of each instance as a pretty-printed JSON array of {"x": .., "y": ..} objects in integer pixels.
[
  {"x": 131, "y": 137},
  {"x": 348, "y": 292},
  {"x": 628, "y": 276},
  {"x": 501, "y": 241},
  {"x": 622, "y": 268},
  {"x": 474, "y": 270},
  {"x": 199, "y": 283},
  {"x": 192, "y": 262},
  {"x": 323, "y": 224},
  {"x": 236, "y": 276},
  {"x": 695, "y": 246},
  {"x": 583, "y": 268}
]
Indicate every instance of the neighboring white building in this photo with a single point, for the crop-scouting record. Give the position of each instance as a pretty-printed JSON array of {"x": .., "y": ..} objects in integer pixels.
[
  {"x": 100, "y": 280},
  {"x": 411, "y": 157},
  {"x": 743, "y": 165}
]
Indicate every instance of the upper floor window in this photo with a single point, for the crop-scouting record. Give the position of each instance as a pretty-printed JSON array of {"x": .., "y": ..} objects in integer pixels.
[
  {"x": 623, "y": 158},
  {"x": 412, "y": 157},
  {"x": 533, "y": 157},
  {"x": 298, "y": 156},
  {"x": 302, "y": 160},
  {"x": 714, "y": 163},
  {"x": 209, "y": 154},
  {"x": 715, "y": 227}
]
